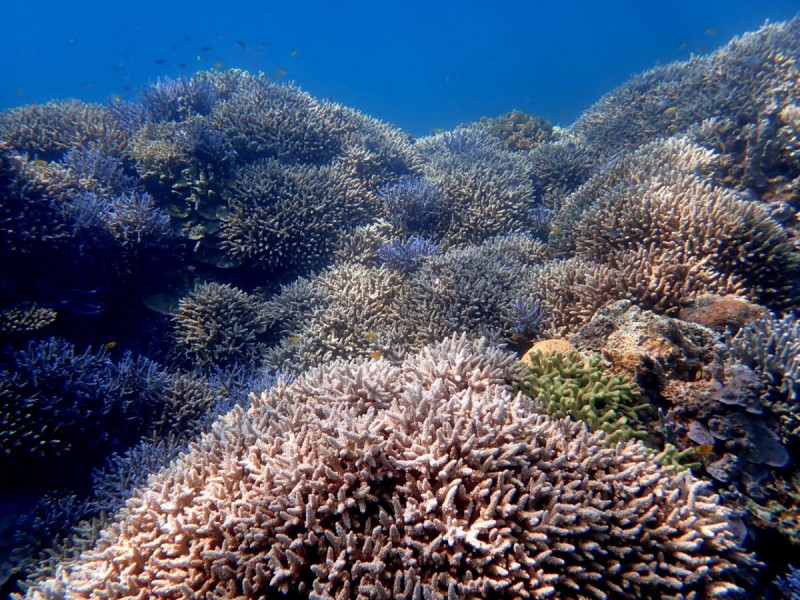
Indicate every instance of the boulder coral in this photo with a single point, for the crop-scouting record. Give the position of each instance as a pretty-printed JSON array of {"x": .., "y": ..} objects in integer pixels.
[{"x": 429, "y": 479}]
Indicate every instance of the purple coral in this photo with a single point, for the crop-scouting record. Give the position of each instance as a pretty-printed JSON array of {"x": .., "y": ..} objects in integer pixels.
[
  {"x": 527, "y": 316},
  {"x": 413, "y": 203},
  {"x": 107, "y": 170},
  {"x": 177, "y": 99},
  {"x": 131, "y": 218},
  {"x": 789, "y": 584},
  {"x": 407, "y": 256}
]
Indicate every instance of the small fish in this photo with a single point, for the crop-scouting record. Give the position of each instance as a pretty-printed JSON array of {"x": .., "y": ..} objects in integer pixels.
[
  {"x": 671, "y": 111},
  {"x": 117, "y": 100},
  {"x": 218, "y": 65},
  {"x": 704, "y": 449},
  {"x": 699, "y": 375},
  {"x": 369, "y": 335},
  {"x": 88, "y": 85},
  {"x": 242, "y": 46},
  {"x": 182, "y": 65},
  {"x": 160, "y": 61},
  {"x": 377, "y": 355},
  {"x": 293, "y": 340},
  {"x": 712, "y": 31},
  {"x": 683, "y": 46},
  {"x": 294, "y": 52},
  {"x": 117, "y": 67},
  {"x": 109, "y": 345},
  {"x": 280, "y": 72},
  {"x": 186, "y": 38},
  {"x": 40, "y": 163},
  {"x": 18, "y": 92},
  {"x": 205, "y": 49},
  {"x": 556, "y": 229}
]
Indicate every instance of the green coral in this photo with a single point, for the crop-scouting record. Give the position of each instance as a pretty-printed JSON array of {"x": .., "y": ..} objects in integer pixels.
[{"x": 567, "y": 385}]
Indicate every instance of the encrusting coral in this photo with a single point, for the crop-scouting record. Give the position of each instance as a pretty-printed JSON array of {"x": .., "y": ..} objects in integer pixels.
[{"x": 430, "y": 479}]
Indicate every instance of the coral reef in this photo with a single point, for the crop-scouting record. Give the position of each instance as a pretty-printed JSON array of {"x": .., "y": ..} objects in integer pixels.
[
  {"x": 48, "y": 131},
  {"x": 564, "y": 385},
  {"x": 428, "y": 479},
  {"x": 273, "y": 232},
  {"x": 219, "y": 326}
]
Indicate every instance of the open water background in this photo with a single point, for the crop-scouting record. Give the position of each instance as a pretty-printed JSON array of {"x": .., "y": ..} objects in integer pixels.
[{"x": 418, "y": 64}]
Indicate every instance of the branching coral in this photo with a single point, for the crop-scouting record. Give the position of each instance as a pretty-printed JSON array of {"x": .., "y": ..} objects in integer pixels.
[
  {"x": 567, "y": 385},
  {"x": 407, "y": 255},
  {"x": 424, "y": 480},
  {"x": 47, "y": 131},
  {"x": 218, "y": 325},
  {"x": 59, "y": 407},
  {"x": 486, "y": 190},
  {"x": 738, "y": 81}
]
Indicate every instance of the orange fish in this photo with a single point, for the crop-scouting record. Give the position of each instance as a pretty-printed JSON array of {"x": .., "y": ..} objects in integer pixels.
[
  {"x": 293, "y": 340},
  {"x": 376, "y": 355},
  {"x": 369, "y": 335},
  {"x": 704, "y": 449}
]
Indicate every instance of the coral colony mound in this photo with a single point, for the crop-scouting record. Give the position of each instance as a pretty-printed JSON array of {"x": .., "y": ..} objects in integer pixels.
[{"x": 257, "y": 344}]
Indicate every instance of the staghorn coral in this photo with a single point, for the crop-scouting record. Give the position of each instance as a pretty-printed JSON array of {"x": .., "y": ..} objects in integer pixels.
[
  {"x": 97, "y": 172},
  {"x": 571, "y": 291},
  {"x": 472, "y": 289},
  {"x": 564, "y": 385},
  {"x": 560, "y": 167},
  {"x": 218, "y": 325},
  {"x": 24, "y": 317},
  {"x": 517, "y": 130},
  {"x": 407, "y": 255},
  {"x": 486, "y": 190},
  {"x": 28, "y": 219},
  {"x": 739, "y": 81},
  {"x": 177, "y": 99},
  {"x": 425, "y": 480},
  {"x": 362, "y": 244},
  {"x": 673, "y": 234},
  {"x": 345, "y": 312},
  {"x": 266, "y": 120},
  {"x": 49, "y": 130},
  {"x": 413, "y": 204},
  {"x": 771, "y": 348},
  {"x": 61, "y": 407},
  {"x": 283, "y": 217},
  {"x": 789, "y": 584},
  {"x": 130, "y": 219}
]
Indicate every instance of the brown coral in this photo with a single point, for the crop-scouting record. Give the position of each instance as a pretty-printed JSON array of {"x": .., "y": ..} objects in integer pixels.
[{"x": 366, "y": 480}]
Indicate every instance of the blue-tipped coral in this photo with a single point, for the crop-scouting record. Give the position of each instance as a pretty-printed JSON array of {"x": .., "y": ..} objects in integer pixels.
[
  {"x": 527, "y": 317},
  {"x": 177, "y": 99},
  {"x": 407, "y": 256},
  {"x": 104, "y": 170},
  {"x": 131, "y": 219},
  {"x": 414, "y": 203}
]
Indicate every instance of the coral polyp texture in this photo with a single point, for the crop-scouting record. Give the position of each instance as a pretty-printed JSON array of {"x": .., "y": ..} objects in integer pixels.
[
  {"x": 167, "y": 259},
  {"x": 364, "y": 479}
]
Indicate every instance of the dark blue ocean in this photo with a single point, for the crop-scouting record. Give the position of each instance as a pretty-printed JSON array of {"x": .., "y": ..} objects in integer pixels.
[{"x": 418, "y": 65}]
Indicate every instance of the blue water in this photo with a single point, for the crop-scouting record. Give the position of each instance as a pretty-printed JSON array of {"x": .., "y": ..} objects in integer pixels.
[{"x": 419, "y": 65}]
